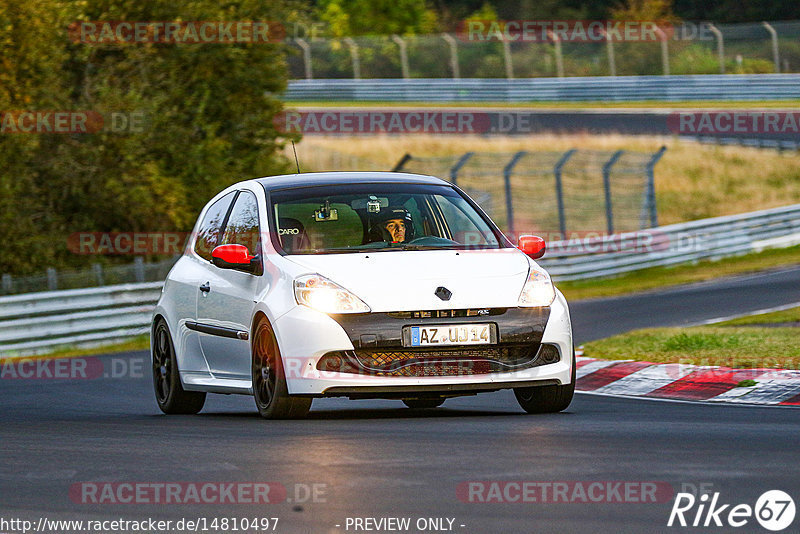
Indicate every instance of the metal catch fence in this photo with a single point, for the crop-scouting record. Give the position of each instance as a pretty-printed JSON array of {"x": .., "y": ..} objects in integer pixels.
[
  {"x": 683, "y": 48},
  {"x": 95, "y": 276},
  {"x": 554, "y": 193}
]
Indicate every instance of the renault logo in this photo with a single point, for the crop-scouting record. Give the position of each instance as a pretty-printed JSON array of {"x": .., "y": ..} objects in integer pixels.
[{"x": 443, "y": 293}]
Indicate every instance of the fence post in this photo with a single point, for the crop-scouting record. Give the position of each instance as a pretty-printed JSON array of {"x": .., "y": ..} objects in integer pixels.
[
  {"x": 774, "y": 35},
  {"x": 562, "y": 222},
  {"x": 664, "y": 50},
  {"x": 651, "y": 187},
  {"x": 720, "y": 47},
  {"x": 138, "y": 269},
  {"x": 450, "y": 40},
  {"x": 559, "y": 56},
  {"x": 457, "y": 167},
  {"x": 402, "y": 163},
  {"x": 607, "y": 188},
  {"x": 507, "y": 60},
  {"x": 354, "y": 55},
  {"x": 8, "y": 284},
  {"x": 98, "y": 274},
  {"x": 507, "y": 178},
  {"x": 306, "y": 56},
  {"x": 403, "y": 55},
  {"x": 52, "y": 279},
  {"x": 612, "y": 64}
]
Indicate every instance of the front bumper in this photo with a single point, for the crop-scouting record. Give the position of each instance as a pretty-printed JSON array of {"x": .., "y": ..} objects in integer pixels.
[{"x": 305, "y": 336}]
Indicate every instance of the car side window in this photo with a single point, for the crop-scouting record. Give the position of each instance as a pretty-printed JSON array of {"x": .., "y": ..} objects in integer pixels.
[
  {"x": 243, "y": 224},
  {"x": 209, "y": 229}
]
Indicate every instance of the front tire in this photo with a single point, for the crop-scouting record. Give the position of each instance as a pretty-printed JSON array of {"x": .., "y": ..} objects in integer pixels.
[
  {"x": 170, "y": 395},
  {"x": 547, "y": 399},
  {"x": 269, "y": 379}
]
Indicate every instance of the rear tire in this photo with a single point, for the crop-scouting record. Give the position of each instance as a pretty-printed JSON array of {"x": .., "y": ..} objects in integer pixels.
[
  {"x": 170, "y": 395},
  {"x": 547, "y": 399},
  {"x": 423, "y": 404},
  {"x": 269, "y": 379}
]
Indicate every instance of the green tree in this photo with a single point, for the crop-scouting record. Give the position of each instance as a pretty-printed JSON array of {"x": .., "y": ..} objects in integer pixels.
[
  {"x": 379, "y": 17},
  {"x": 208, "y": 112},
  {"x": 31, "y": 57}
]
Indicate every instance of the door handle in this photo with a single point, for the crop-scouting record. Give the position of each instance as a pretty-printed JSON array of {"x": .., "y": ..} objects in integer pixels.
[{"x": 205, "y": 288}]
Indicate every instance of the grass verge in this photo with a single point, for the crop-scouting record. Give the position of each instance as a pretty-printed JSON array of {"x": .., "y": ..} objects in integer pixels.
[
  {"x": 737, "y": 347},
  {"x": 134, "y": 344},
  {"x": 662, "y": 277},
  {"x": 783, "y": 317}
]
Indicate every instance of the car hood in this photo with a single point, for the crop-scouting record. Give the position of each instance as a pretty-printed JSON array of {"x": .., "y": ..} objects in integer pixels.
[{"x": 407, "y": 280}]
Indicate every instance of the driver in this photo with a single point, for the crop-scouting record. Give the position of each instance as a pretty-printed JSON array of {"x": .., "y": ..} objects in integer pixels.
[{"x": 394, "y": 225}]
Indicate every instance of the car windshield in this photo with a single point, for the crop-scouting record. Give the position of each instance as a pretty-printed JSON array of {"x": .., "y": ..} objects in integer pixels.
[{"x": 377, "y": 217}]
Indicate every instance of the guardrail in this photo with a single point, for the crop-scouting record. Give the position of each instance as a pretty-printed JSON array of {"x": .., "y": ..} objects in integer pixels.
[
  {"x": 38, "y": 322},
  {"x": 578, "y": 89},
  {"x": 713, "y": 238}
]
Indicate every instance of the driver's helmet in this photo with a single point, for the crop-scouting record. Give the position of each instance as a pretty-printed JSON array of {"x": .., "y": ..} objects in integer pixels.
[{"x": 379, "y": 231}]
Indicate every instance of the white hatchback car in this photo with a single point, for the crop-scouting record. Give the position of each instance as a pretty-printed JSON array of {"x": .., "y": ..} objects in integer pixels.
[{"x": 357, "y": 284}]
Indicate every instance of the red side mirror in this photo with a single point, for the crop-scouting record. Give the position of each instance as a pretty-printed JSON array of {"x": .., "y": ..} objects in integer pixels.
[
  {"x": 233, "y": 257},
  {"x": 531, "y": 245}
]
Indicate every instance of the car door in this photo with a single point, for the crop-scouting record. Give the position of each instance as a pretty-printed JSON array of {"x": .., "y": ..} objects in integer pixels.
[
  {"x": 190, "y": 272},
  {"x": 225, "y": 302}
]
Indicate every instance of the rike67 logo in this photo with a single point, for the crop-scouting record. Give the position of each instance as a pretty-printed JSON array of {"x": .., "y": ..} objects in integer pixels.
[{"x": 774, "y": 510}]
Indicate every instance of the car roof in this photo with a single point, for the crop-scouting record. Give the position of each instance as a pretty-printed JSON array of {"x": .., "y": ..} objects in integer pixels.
[{"x": 331, "y": 178}]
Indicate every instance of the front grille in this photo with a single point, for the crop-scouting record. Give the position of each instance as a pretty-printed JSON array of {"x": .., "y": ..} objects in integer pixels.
[
  {"x": 450, "y": 362},
  {"x": 439, "y": 314}
]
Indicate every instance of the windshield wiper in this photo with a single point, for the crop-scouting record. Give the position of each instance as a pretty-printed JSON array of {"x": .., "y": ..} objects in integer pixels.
[{"x": 425, "y": 247}]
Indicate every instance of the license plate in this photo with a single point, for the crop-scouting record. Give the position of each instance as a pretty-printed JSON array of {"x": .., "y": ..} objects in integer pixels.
[{"x": 451, "y": 334}]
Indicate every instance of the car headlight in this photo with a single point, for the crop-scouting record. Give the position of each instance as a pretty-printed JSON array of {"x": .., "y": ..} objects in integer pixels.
[
  {"x": 321, "y": 294},
  {"x": 538, "y": 290}
]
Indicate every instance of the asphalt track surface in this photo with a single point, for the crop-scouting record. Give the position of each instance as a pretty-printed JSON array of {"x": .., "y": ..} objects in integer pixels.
[{"x": 378, "y": 459}]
